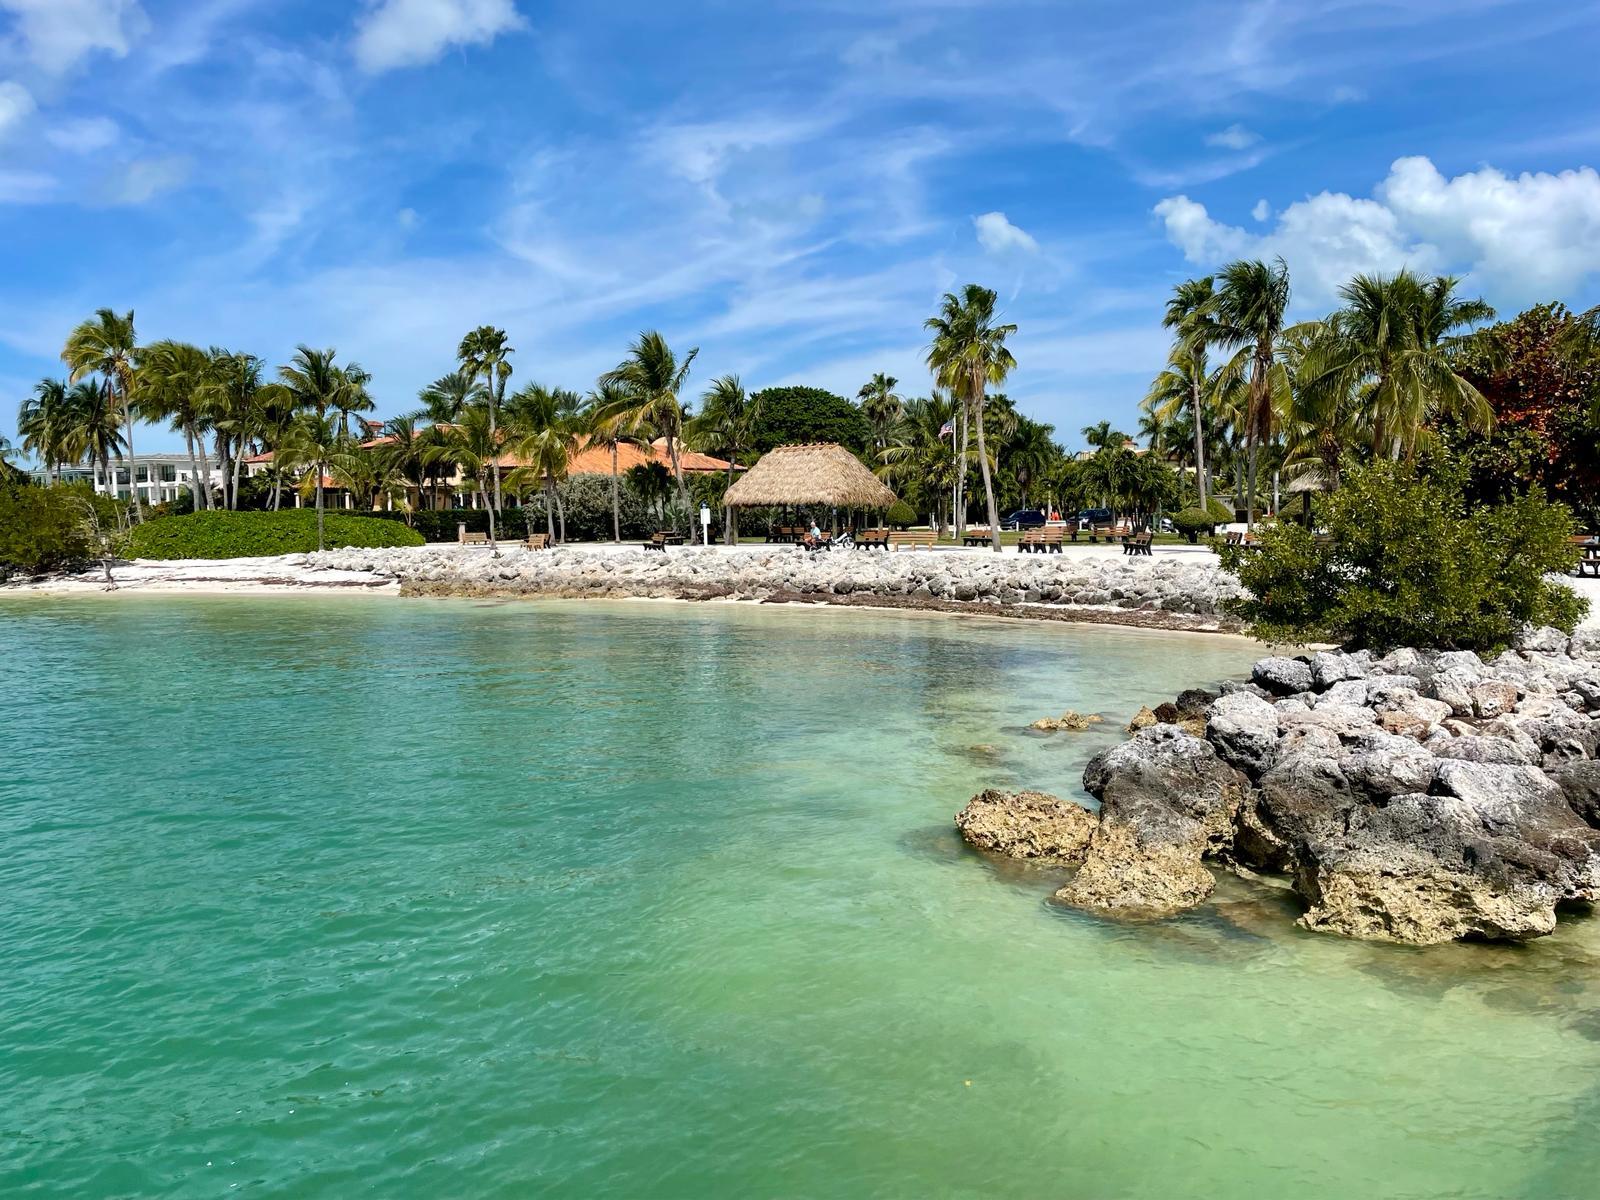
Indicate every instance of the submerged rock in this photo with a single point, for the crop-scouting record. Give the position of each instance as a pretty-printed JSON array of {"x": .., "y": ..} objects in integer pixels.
[
  {"x": 1166, "y": 801},
  {"x": 1420, "y": 797},
  {"x": 1033, "y": 826}
]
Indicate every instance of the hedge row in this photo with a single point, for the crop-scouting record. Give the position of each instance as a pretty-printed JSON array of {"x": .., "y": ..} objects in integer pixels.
[{"x": 252, "y": 534}]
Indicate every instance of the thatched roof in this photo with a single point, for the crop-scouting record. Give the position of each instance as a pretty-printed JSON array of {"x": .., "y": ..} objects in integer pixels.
[
  {"x": 815, "y": 473},
  {"x": 1310, "y": 479}
]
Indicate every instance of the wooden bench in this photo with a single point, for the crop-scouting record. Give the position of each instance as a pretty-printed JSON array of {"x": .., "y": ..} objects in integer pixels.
[
  {"x": 870, "y": 539},
  {"x": 469, "y": 538},
  {"x": 977, "y": 535},
  {"x": 1137, "y": 543},
  {"x": 537, "y": 541},
  {"x": 663, "y": 538},
  {"x": 1041, "y": 541},
  {"x": 1589, "y": 561},
  {"x": 912, "y": 539},
  {"x": 1110, "y": 533}
]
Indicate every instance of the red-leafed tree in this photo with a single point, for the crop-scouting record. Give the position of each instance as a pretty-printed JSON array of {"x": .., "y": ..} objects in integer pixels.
[{"x": 1541, "y": 374}]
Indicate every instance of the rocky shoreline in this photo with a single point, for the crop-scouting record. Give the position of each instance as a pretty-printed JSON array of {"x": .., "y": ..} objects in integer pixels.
[
  {"x": 1190, "y": 592},
  {"x": 1415, "y": 797}
]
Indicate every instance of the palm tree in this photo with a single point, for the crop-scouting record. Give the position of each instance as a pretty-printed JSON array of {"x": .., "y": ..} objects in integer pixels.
[
  {"x": 967, "y": 354},
  {"x": 316, "y": 444},
  {"x": 106, "y": 345},
  {"x": 880, "y": 406},
  {"x": 1101, "y": 436},
  {"x": 171, "y": 380},
  {"x": 649, "y": 380},
  {"x": 1031, "y": 455},
  {"x": 44, "y": 423},
  {"x": 1393, "y": 343},
  {"x": 353, "y": 397},
  {"x": 1247, "y": 314},
  {"x": 1188, "y": 315},
  {"x": 484, "y": 352},
  {"x": 726, "y": 424},
  {"x": 404, "y": 453},
  {"x": 93, "y": 430},
  {"x": 920, "y": 459},
  {"x": 472, "y": 446},
  {"x": 606, "y": 432},
  {"x": 444, "y": 399},
  {"x": 541, "y": 433}
]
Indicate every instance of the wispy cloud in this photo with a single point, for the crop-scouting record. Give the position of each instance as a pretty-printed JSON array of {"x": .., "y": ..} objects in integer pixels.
[
  {"x": 55, "y": 34},
  {"x": 409, "y": 33}
]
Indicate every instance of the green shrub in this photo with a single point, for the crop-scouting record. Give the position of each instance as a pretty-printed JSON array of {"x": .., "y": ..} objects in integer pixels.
[
  {"x": 1194, "y": 520},
  {"x": 249, "y": 534},
  {"x": 45, "y": 529},
  {"x": 901, "y": 515},
  {"x": 1406, "y": 563}
]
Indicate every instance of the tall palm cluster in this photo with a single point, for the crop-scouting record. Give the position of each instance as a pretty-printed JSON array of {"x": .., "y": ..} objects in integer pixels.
[{"x": 1369, "y": 380}]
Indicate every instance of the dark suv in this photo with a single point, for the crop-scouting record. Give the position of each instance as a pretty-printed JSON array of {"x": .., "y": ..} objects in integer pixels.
[{"x": 1024, "y": 518}]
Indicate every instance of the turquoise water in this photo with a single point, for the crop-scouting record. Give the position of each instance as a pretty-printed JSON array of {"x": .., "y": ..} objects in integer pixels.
[{"x": 337, "y": 897}]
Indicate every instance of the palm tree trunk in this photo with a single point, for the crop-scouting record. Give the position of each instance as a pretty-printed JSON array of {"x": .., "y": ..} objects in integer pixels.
[
  {"x": 494, "y": 441},
  {"x": 616, "y": 501},
  {"x": 561, "y": 513},
  {"x": 1250, "y": 487},
  {"x": 959, "y": 517},
  {"x": 491, "y": 508},
  {"x": 133, "y": 473},
  {"x": 1199, "y": 443},
  {"x": 549, "y": 508},
  {"x": 988, "y": 483},
  {"x": 730, "y": 533},
  {"x": 677, "y": 472},
  {"x": 319, "y": 506},
  {"x": 194, "y": 470},
  {"x": 233, "y": 490}
]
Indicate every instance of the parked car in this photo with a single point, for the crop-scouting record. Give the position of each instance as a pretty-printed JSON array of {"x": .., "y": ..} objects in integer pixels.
[
  {"x": 1094, "y": 516},
  {"x": 1024, "y": 518}
]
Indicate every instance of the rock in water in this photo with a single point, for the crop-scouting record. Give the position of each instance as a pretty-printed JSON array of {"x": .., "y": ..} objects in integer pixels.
[
  {"x": 1167, "y": 800},
  {"x": 1027, "y": 825},
  {"x": 1490, "y": 858},
  {"x": 1143, "y": 719}
]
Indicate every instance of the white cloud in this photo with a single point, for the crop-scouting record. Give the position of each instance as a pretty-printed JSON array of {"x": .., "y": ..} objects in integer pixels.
[
  {"x": 16, "y": 105},
  {"x": 144, "y": 179},
  {"x": 999, "y": 236},
  {"x": 1261, "y": 211},
  {"x": 1234, "y": 137},
  {"x": 25, "y": 187},
  {"x": 57, "y": 33},
  {"x": 1528, "y": 236},
  {"x": 85, "y": 135},
  {"x": 406, "y": 218},
  {"x": 408, "y": 33}
]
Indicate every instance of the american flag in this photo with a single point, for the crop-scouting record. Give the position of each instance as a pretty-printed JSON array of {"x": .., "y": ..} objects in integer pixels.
[{"x": 947, "y": 429}]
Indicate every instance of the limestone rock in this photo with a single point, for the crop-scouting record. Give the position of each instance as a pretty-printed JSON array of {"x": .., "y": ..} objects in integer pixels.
[
  {"x": 1033, "y": 826},
  {"x": 1167, "y": 801},
  {"x": 1244, "y": 729},
  {"x": 1143, "y": 719},
  {"x": 1282, "y": 676}
]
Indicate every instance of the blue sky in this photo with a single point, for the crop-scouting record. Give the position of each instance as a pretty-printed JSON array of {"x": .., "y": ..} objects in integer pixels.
[{"x": 788, "y": 186}]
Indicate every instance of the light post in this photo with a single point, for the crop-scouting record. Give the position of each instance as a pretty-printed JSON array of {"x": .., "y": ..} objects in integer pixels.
[{"x": 705, "y": 524}]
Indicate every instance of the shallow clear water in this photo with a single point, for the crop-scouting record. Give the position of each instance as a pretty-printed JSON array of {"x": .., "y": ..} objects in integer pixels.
[{"x": 332, "y": 897}]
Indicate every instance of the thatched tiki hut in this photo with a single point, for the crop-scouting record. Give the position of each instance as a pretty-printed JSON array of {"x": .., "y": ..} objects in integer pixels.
[{"x": 817, "y": 473}]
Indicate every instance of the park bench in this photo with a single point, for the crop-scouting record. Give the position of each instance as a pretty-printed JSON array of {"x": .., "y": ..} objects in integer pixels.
[
  {"x": 869, "y": 539},
  {"x": 912, "y": 539},
  {"x": 977, "y": 535},
  {"x": 469, "y": 538},
  {"x": 1137, "y": 543},
  {"x": 1589, "y": 560},
  {"x": 1110, "y": 533},
  {"x": 1041, "y": 541},
  {"x": 663, "y": 538},
  {"x": 537, "y": 541}
]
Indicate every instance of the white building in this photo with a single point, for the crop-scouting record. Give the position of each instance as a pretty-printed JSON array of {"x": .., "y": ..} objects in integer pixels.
[{"x": 161, "y": 477}]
